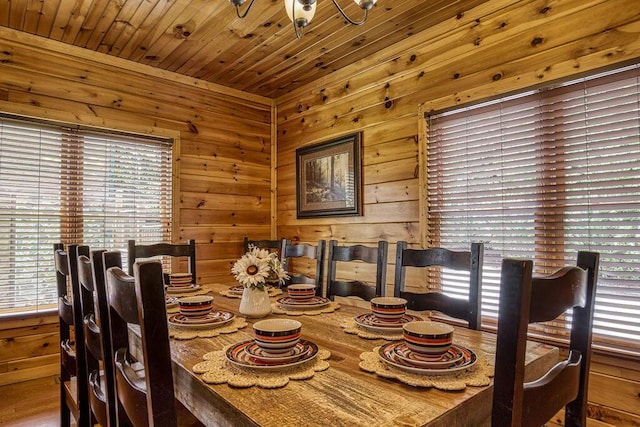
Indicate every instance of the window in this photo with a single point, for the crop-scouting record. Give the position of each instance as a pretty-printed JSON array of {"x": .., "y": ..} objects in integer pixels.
[
  {"x": 73, "y": 186},
  {"x": 543, "y": 175}
]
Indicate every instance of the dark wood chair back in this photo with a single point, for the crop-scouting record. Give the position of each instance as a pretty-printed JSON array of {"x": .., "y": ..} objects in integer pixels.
[
  {"x": 145, "y": 398},
  {"x": 177, "y": 250},
  {"x": 95, "y": 314},
  {"x": 525, "y": 300},
  {"x": 466, "y": 309},
  {"x": 304, "y": 250},
  {"x": 270, "y": 245},
  {"x": 73, "y": 370},
  {"x": 357, "y": 253}
]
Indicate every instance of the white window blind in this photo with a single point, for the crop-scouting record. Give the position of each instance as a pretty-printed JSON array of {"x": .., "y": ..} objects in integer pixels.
[
  {"x": 73, "y": 186},
  {"x": 543, "y": 175}
]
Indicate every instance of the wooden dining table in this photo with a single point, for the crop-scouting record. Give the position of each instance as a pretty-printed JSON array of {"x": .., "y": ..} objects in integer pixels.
[{"x": 342, "y": 395}]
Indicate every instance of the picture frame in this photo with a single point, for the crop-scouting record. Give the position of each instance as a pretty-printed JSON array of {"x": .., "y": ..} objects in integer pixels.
[{"x": 328, "y": 178}]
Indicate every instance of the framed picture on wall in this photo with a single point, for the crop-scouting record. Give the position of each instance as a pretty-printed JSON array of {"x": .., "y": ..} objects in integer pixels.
[{"x": 328, "y": 178}]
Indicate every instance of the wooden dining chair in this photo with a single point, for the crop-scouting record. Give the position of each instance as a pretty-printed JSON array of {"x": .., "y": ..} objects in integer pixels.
[
  {"x": 270, "y": 245},
  {"x": 173, "y": 250},
  {"x": 357, "y": 254},
  {"x": 466, "y": 309},
  {"x": 293, "y": 254},
  {"x": 525, "y": 300},
  {"x": 73, "y": 370},
  {"x": 95, "y": 314},
  {"x": 145, "y": 397}
]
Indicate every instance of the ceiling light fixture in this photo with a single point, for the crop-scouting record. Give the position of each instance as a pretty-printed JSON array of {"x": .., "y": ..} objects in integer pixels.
[{"x": 301, "y": 11}]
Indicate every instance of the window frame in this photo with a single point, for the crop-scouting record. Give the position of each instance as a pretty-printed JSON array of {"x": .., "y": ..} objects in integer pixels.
[
  {"x": 71, "y": 207},
  {"x": 618, "y": 347}
]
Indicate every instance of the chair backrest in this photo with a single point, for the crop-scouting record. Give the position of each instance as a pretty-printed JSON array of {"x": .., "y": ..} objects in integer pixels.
[
  {"x": 304, "y": 250},
  {"x": 354, "y": 253},
  {"x": 525, "y": 300},
  {"x": 95, "y": 314},
  {"x": 270, "y": 245},
  {"x": 470, "y": 261},
  {"x": 72, "y": 357},
  {"x": 188, "y": 250},
  {"x": 146, "y": 398}
]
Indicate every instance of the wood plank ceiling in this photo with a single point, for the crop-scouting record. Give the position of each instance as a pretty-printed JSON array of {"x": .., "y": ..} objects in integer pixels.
[{"x": 204, "y": 39}]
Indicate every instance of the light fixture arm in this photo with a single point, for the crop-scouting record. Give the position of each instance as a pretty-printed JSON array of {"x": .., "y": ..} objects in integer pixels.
[
  {"x": 349, "y": 20},
  {"x": 238, "y": 3}
]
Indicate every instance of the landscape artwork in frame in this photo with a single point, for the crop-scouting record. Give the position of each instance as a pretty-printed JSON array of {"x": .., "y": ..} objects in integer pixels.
[{"x": 328, "y": 178}]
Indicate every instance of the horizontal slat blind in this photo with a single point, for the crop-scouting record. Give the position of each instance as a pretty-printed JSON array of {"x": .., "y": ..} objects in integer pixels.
[
  {"x": 73, "y": 186},
  {"x": 543, "y": 175}
]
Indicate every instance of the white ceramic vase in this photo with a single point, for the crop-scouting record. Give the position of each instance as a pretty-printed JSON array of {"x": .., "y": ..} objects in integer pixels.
[{"x": 255, "y": 302}]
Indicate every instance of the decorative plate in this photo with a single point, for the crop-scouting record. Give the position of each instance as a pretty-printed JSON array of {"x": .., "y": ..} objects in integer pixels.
[
  {"x": 388, "y": 354},
  {"x": 452, "y": 356},
  {"x": 182, "y": 289},
  {"x": 236, "y": 290},
  {"x": 372, "y": 322},
  {"x": 213, "y": 319},
  {"x": 171, "y": 302},
  {"x": 260, "y": 356},
  {"x": 238, "y": 355},
  {"x": 315, "y": 302}
]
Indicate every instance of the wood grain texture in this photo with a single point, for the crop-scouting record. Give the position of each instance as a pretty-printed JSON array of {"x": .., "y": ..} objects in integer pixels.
[
  {"x": 343, "y": 395},
  {"x": 259, "y": 54}
]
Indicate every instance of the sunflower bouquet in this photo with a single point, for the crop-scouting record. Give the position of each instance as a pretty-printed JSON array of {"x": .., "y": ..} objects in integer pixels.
[{"x": 258, "y": 267}]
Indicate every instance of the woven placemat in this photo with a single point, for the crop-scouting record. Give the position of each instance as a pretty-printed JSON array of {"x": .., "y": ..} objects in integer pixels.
[
  {"x": 200, "y": 291},
  {"x": 351, "y": 327},
  {"x": 179, "y": 333},
  {"x": 217, "y": 370},
  {"x": 330, "y": 308},
  {"x": 478, "y": 375},
  {"x": 273, "y": 292}
]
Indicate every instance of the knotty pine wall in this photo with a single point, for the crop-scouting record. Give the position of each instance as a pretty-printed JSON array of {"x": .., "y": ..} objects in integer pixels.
[
  {"x": 223, "y": 165},
  {"x": 496, "y": 48}
]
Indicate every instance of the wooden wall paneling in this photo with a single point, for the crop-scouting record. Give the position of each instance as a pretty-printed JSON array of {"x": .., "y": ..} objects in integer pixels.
[
  {"x": 226, "y": 145},
  {"x": 221, "y": 234},
  {"x": 520, "y": 45},
  {"x": 223, "y": 167},
  {"x": 216, "y": 200},
  {"x": 29, "y": 368},
  {"x": 28, "y": 347},
  {"x": 374, "y": 213},
  {"x": 217, "y": 271},
  {"x": 231, "y": 216},
  {"x": 137, "y": 75},
  {"x": 201, "y": 184},
  {"x": 391, "y": 191},
  {"x": 615, "y": 392},
  {"x": 273, "y": 200},
  {"x": 352, "y": 233},
  {"x": 243, "y": 172}
]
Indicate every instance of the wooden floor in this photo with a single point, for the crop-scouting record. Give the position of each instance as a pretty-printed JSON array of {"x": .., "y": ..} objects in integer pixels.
[
  {"x": 30, "y": 404},
  {"x": 36, "y": 403}
]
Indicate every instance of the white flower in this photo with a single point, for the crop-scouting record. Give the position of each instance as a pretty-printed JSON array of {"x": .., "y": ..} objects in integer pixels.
[{"x": 256, "y": 266}]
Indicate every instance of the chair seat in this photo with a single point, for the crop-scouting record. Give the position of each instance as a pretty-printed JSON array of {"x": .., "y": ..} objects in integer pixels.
[{"x": 71, "y": 393}]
